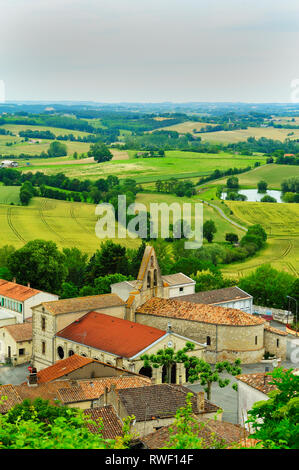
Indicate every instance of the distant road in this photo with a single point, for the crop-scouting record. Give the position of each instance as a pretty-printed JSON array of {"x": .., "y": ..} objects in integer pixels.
[{"x": 224, "y": 215}]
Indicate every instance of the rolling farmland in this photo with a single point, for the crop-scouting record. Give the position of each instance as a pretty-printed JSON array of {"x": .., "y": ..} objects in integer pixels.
[
  {"x": 68, "y": 224},
  {"x": 273, "y": 174},
  {"x": 281, "y": 222}
]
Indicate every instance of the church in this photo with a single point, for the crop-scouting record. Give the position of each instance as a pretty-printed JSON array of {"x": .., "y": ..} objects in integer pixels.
[{"x": 145, "y": 315}]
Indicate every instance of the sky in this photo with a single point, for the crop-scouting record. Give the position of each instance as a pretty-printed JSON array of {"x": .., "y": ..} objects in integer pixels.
[{"x": 149, "y": 50}]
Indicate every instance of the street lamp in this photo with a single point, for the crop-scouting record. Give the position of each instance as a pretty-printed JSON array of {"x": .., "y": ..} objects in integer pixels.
[{"x": 289, "y": 297}]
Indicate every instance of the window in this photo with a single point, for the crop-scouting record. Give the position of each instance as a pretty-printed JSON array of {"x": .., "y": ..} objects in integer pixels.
[
  {"x": 43, "y": 323},
  {"x": 208, "y": 340},
  {"x": 256, "y": 340},
  {"x": 277, "y": 343},
  {"x": 60, "y": 352},
  {"x": 181, "y": 289},
  {"x": 22, "y": 352},
  {"x": 71, "y": 352},
  {"x": 43, "y": 347}
]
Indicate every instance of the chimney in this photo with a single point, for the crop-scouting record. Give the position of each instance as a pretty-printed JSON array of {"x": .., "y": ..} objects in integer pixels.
[
  {"x": 201, "y": 401},
  {"x": 153, "y": 380},
  {"x": 32, "y": 379},
  {"x": 14, "y": 280},
  {"x": 28, "y": 284}
]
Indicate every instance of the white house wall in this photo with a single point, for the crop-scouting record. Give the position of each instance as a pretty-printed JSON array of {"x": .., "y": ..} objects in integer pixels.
[{"x": 247, "y": 396}]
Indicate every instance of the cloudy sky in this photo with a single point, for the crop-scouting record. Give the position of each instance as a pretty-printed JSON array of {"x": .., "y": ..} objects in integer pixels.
[{"x": 149, "y": 50}]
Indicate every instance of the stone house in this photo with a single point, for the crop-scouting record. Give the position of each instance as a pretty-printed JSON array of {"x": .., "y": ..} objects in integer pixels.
[
  {"x": 50, "y": 317},
  {"x": 178, "y": 285},
  {"x": 16, "y": 342},
  {"x": 156, "y": 405},
  {"x": 228, "y": 333},
  {"x": 229, "y": 297},
  {"x": 82, "y": 337}
]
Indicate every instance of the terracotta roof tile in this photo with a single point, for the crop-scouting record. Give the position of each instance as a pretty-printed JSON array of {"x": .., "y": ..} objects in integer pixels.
[
  {"x": 20, "y": 331},
  {"x": 103, "y": 332},
  {"x": 159, "y": 401},
  {"x": 215, "y": 296},
  {"x": 16, "y": 291},
  {"x": 79, "y": 304},
  {"x": 92, "y": 389},
  {"x": 275, "y": 331},
  {"x": 63, "y": 367},
  {"x": 260, "y": 381},
  {"x": 177, "y": 279},
  {"x": 46, "y": 391},
  {"x": 112, "y": 425},
  {"x": 13, "y": 398},
  {"x": 171, "y": 308},
  {"x": 220, "y": 431}
]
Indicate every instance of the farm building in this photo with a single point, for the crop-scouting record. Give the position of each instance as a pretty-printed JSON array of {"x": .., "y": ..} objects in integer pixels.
[{"x": 8, "y": 164}]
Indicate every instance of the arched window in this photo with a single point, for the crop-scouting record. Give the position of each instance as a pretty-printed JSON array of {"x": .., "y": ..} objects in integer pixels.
[
  {"x": 208, "y": 341},
  {"x": 71, "y": 352},
  {"x": 147, "y": 371},
  {"x": 60, "y": 352}
]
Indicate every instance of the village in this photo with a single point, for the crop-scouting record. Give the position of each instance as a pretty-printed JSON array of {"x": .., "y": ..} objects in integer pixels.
[{"x": 93, "y": 352}]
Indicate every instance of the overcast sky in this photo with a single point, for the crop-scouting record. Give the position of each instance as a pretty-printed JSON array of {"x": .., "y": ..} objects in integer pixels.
[{"x": 149, "y": 50}]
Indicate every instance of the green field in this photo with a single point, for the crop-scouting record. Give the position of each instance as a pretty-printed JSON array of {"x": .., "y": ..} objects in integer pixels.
[
  {"x": 176, "y": 164},
  {"x": 222, "y": 225},
  {"x": 273, "y": 174},
  {"x": 9, "y": 194},
  {"x": 68, "y": 224}
]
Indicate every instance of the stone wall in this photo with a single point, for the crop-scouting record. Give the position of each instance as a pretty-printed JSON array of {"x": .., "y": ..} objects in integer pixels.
[
  {"x": 226, "y": 342},
  {"x": 276, "y": 344}
]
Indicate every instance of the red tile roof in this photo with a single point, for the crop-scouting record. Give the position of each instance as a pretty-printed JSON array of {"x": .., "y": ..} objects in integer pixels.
[
  {"x": 160, "y": 401},
  {"x": 79, "y": 304},
  {"x": 92, "y": 389},
  {"x": 16, "y": 291},
  {"x": 198, "y": 312},
  {"x": 20, "y": 331},
  {"x": 276, "y": 331},
  {"x": 8, "y": 398},
  {"x": 70, "y": 364},
  {"x": 114, "y": 335},
  {"x": 63, "y": 367},
  {"x": 219, "y": 432},
  {"x": 111, "y": 424}
]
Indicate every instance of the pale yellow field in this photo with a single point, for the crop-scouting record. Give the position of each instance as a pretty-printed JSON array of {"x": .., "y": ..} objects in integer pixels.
[
  {"x": 243, "y": 134},
  {"x": 187, "y": 126}
]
